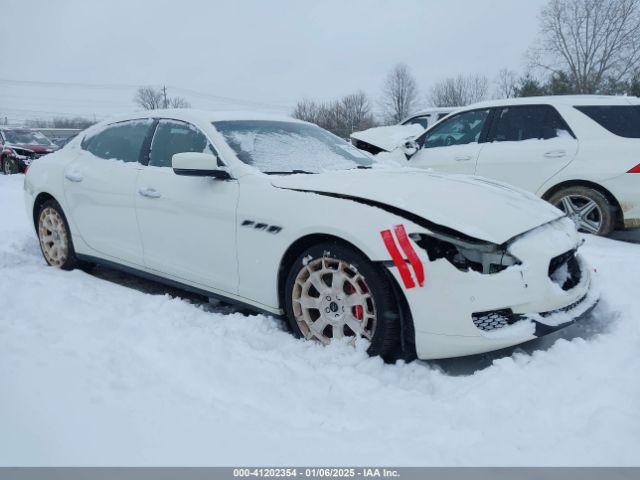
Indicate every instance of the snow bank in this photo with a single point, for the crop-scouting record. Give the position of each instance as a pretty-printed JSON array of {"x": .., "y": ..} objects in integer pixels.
[{"x": 107, "y": 370}]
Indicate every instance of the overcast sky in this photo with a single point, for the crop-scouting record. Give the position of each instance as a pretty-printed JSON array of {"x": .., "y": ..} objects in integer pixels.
[{"x": 245, "y": 54}]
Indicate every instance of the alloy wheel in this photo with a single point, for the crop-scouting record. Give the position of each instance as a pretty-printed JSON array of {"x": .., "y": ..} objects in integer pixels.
[
  {"x": 54, "y": 240},
  {"x": 584, "y": 212},
  {"x": 331, "y": 300}
]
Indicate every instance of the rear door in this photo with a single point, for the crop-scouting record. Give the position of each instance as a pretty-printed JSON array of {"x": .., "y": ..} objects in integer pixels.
[
  {"x": 454, "y": 144},
  {"x": 99, "y": 188},
  {"x": 187, "y": 224},
  {"x": 526, "y": 146}
]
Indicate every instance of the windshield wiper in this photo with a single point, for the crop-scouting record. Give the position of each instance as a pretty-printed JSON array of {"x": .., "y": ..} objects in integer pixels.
[{"x": 289, "y": 172}]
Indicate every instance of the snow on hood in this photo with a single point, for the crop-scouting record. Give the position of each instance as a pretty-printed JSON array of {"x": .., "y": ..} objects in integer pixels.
[
  {"x": 388, "y": 138},
  {"x": 478, "y": 207}
]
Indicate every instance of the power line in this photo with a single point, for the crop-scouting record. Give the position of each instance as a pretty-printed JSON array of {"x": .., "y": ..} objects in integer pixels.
[{"x": 120, "y": 86}]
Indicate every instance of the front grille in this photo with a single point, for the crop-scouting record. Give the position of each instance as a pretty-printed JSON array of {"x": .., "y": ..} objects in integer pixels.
[
  {"x": 488, "y": 321},
  {"x": 495, "y": 319},
  {"x": 564, "y": 270}
]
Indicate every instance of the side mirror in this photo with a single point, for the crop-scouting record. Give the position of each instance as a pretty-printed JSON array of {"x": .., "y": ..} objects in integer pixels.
[
  {"x": 410, "y": 147},
  {"x": 195, "y": 164}
]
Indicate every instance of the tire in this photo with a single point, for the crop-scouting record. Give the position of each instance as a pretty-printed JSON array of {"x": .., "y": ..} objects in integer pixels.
[
  {"x": 54, "y": 236},
  {"x": 9, "y": 166},
  {"x": 365, "y": 299},
  {"x": 591, "y": 211}
]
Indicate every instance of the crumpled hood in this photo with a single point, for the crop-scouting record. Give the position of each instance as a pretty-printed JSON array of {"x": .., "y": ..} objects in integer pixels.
[
  {"x": 32, "y": 147},
  {"x": 478, "y": 207},
  {"x": 390, "y": 137}
]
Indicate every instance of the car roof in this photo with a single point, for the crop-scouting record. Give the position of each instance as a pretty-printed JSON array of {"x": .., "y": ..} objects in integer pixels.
[
  {"x": 569, "y": 100},
  {"x": 205, "y": 116},
  {"x": 428, "y": 111}
]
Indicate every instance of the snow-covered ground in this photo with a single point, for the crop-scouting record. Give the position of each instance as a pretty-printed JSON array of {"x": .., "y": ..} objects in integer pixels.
[{"x": 104, "y": 369}]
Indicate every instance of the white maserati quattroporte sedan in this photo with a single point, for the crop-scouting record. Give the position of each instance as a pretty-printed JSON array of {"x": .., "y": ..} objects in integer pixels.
[{"x": 283, "y": 217}]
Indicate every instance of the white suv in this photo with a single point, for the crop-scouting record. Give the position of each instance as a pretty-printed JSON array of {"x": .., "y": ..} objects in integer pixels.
[{"x": 578, "y": 152}]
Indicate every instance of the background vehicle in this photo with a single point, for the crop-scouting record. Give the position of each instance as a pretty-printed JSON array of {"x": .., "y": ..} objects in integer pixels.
[
  {"x": 20, "y": 146},
  {"x": 581, "y": 153},
  {"x": 284, "y": 217},
  {"x": 384, "y": 139},
  {"x": 429, "y": 117}
]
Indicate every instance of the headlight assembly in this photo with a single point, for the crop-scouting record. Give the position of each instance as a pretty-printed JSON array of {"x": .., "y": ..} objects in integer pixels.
[{"x": 483, "y": 257}]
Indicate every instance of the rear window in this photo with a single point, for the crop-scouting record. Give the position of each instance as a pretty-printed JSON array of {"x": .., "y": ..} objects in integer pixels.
[{"x": 622, "y": 120}]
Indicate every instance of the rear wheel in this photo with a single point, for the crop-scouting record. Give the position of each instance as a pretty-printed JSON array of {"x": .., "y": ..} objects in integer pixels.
[
  {"x": 333, "y": 292},
  {"x": 589, "y": 209},
  {"x": 55, "y": 236}
]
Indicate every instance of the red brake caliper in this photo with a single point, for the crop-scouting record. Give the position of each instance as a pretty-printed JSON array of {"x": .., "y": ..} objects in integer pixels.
[{"x": 356, "y": 310}]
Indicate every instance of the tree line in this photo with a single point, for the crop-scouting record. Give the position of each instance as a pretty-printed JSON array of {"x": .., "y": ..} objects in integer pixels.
[{"x": 583, "y": 47}]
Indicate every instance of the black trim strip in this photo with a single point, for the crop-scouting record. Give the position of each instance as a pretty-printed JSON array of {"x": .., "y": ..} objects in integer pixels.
[
  {"x": 217, "y": 174},
  {"x": 173, "y": 283},
  {"x": 418, "y": 220}
]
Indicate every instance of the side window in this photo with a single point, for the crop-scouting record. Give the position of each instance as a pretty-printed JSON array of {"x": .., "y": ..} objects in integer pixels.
[
  {"x": 620, "y": 120},
  {"x": 423, "y": 121},
  {"x": 515, "y": 124},
  {"x": 462, "y": 129},
  {"x": 119, "y": 141},
  {"x": 173, "y": 136}
]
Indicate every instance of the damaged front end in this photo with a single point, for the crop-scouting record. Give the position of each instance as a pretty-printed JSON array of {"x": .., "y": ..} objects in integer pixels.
[{"x": 494, "y": 296}]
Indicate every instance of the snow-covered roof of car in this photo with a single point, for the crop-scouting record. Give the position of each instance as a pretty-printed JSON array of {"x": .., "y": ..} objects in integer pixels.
[
  {"x": 571, "y": 100},
  {"x": 194, "y": 115},
  {"x": 429, "y": 111}
]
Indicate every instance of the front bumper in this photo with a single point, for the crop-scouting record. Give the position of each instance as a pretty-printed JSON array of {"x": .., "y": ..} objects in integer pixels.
[{"x": 447, "y": 310}]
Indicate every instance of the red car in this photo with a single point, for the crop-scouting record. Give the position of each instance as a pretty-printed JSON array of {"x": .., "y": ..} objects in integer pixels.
[{"x": 20, "y": 146}]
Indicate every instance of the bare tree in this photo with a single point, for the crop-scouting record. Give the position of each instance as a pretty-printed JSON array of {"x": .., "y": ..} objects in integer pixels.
[
  {"x": 355, "y": 112},
  {"x": 399, "y": 94},
  {"x": 307, "y": 110},
  {"x": 459, "y": 91},
  {"x": 506, "y": 84},
  {"x": 149, "y": 98},
  {"x": 342, "y": 117},
  {"x": 177, "y": 102},
  {"x": 591, "y": 41}
]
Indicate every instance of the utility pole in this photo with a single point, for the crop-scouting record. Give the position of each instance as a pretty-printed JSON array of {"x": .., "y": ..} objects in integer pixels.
[{"x": 164, "y": 94}]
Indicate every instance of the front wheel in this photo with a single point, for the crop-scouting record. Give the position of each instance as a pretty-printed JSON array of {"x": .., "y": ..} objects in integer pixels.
[
  {"x": 9, "y": 166},
  {"x": 589, "y": 209},
  {"x": 333, "y": 292}
]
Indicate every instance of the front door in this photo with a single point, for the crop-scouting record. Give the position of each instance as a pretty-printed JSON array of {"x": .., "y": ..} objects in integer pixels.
[
  {"x": 454, "y": 145},
  {"x": 187, "y": 224}
]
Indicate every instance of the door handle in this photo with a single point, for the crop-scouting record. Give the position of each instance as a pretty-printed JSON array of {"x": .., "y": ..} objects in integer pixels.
[
  {"x": 463, "y": 158},
  {"x": 556, "y": 154},
  {"x": 73, "y": 176},
  {"x": 149, "y": 193}
]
